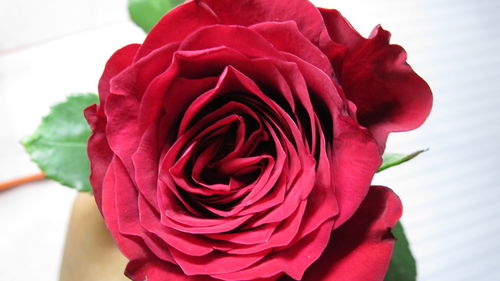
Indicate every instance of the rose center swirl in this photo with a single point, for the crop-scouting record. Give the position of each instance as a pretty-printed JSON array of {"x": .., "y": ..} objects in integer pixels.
[{"x": 220, "y": 167}]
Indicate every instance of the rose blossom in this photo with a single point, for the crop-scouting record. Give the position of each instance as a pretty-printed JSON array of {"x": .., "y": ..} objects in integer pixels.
[{"x": 238, "y": 142}]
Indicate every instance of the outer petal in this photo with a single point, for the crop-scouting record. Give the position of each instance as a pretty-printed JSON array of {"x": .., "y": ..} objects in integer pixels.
[
  {"x": 356, "y": 158},
  {"x": 361, "y": 249},
  {"x": 193, "y": 15},
  {"x": 249, "y": 12},
  {"x": 98, "y": 149},
  {"x": 152, "y": 270},
  {"x": 246, "y": 41},
  {"x": 120, "y": 60},
  {"x": 176, "y": 25},
  {"x": 389, "y": 95},
  {"x": 339, "y": 29},
  {"x": 293, "y": 260},
  {"x": 280, "y": 34},
  {"x": 131, "y": 248}
]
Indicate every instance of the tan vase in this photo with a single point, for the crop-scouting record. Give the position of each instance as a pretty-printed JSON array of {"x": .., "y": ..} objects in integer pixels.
[{"x": 90, "y": 254}]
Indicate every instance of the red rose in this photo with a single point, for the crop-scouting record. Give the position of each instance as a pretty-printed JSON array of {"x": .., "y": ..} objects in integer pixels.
[{"x": 238, "y": 142}]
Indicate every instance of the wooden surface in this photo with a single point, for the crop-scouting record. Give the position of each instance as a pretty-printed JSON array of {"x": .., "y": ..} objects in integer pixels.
[{"x": 90, "y": 253}]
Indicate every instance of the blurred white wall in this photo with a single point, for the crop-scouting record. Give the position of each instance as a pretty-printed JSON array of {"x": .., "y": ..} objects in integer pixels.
[
  {"x": 51, "y": 48},
  {"x": 48, "y": 49},
  {"x": 24, "y": 23}
]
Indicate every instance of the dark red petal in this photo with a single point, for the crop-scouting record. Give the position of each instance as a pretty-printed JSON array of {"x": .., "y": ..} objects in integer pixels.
[
  {"x": 216, "y": 262},
  {"x": 177, "y": 97},
  {"x": 122, "y": 128},
  {"x": 176, "y": 25},
  {"x": 242, "y": 39},
  {"x": 120, "y": 60},
  {"x": 293, "y": 260},
  {"x": 361, "y": 249},
  {"x": 99, "y": 153},
  {"x": 281, "y": 80},
  {"x": 249, "y": 12},
  {"x": 98, "y": 148},
  {"x": 286, "y": 37},
  {"x": 145, "y": 161},
  {"x": 326, "y": 99},
  {"x": 355, "y": 159},
  {"x": 321, "y": 203},
  {"x": 188, "y": 243},
  {"x": 127, "y": 211},
  {"x": 152, "y": 270},
  {"x": 281, "y": 237},
  {"x": 131, "y": 248},
  {"x": 124, "y": 100},
  {"x": 355, "y": 155},
  {"x": 254, "y": 236},
  {"x": 339, "y": 29},
  {"x": 209, "y": 62},
  {"x": 389, "y": 95},
  {"x": 135, "y": 79}
]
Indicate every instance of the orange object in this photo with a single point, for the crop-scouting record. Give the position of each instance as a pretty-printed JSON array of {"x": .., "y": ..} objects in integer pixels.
[{"x": 15, "y": 182}]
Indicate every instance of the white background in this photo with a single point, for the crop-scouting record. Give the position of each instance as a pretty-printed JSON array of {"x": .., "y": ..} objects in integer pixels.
[{"x": 451, "y": 194}]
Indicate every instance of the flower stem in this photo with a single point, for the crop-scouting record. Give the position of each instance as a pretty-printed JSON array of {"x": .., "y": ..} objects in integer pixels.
[{"x": 15, "y": 182}]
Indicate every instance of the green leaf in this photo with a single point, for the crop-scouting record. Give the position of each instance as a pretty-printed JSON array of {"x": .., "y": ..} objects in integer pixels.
[
  {"x": 146, "y": 13},
  {"x": 402, "y": 266},
  {"x": 59, "y": 145},
  {"x": 394, "y": 159}
]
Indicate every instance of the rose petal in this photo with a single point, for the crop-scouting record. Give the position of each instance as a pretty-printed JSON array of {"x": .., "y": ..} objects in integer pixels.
[
  {"x": 246, "y": 41},
  {"x": 134, "y": 80},
  {"x": 145, "y": 161},
  {"x": 321, "y": 202},
  {"x": 151, "y": 270},
  {"x": 125, "y": 92},
  {"x": 176, "y": 25},
  {"x": 249, "y": 12},
  {"x": 283, "y": 235},
  {"x": 132, "y": 248},
  {"x": 325, "y": 97},
  {"x": 116, "y": 64},
  {"x": 122, "y": 130},
  {"x": 127, "y": 218},
  {"x": 361, "y": 249},
  {"x": 339, "y": 29},
  {"x": 389, "y": 95},
  {"x": 190, "y": 244},
  {"x": 281, "y": 34},
  {"x": 216, "y": 262},
  {"x": 356, "y": 158},
  {"x": 99, "y": 153},
  {"x": 98, "y": 148},
  {"x": 294, "y": 260}
]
